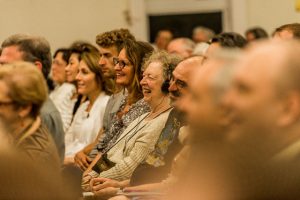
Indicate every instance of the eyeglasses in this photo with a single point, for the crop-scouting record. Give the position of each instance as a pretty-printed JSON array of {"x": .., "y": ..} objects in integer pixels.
[
  {"x": 121, "y": 63},
  {"x": 179, "y": 83}
]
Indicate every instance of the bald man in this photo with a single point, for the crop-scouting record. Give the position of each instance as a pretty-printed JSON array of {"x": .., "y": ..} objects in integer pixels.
[{"x": 265, "y": 98}]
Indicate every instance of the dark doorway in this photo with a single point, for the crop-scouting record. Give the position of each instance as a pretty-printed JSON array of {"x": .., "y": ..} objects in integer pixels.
[{"x": 182, "y": 24}]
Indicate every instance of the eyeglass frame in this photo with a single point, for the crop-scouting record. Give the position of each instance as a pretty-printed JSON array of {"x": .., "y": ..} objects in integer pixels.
[{"x": 122, "y": 64}]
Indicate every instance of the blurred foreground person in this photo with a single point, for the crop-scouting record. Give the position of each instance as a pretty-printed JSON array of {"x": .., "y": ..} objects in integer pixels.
[{"x": 23, "y": 92}]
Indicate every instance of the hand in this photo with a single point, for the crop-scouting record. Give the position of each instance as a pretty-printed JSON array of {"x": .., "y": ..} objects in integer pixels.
[
  {"x": 97, "y": 184},
  {"x": 82, "y": 160},
  {"x": 86, "y": 178}
]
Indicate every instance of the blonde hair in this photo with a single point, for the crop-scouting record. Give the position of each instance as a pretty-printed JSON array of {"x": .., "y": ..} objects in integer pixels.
[{"x": 26, "y": 85}]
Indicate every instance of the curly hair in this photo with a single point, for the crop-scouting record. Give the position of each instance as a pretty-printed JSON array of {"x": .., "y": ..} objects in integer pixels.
[{"x": 114, "y": 38}]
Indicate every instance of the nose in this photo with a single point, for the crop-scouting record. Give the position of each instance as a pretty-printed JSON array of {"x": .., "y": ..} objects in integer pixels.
[
  {"x": 172, "y": 86},
  {"x": 102, "y": 61},
  {"x": 143, "y": 81},
  {"x": 78, "y": 76}
]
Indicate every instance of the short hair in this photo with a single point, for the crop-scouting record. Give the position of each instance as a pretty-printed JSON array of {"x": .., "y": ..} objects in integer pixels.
[
  {"x": 113, "y": 38},
  {"x": 209, "y": 33},
  {"x": 90, "y": 55},
  {"x": 26, "y": 85},
  {"x": 230, "y": 40},
  {"x": 168, "y": 62},
  {"x": 66, "y": 53},
  {"x": 294, "y": 28},
  {"x": 136, "y": 51},
  {"x": 257, "y": 32},
  {"x": 34, "y": 48}
]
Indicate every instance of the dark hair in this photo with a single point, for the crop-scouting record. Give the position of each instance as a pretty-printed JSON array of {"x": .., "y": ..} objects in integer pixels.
[
  {"x": 230, "y": 40},
  {"x": 136, "y": 52},
  {"x": 66, "y": 53},
  {"x": 294, "y": 28},
  {"x": 258, "y": 32}
]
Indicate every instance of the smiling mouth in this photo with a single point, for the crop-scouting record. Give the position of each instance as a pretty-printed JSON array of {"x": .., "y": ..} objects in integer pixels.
[{"x": 146, "y": 91}]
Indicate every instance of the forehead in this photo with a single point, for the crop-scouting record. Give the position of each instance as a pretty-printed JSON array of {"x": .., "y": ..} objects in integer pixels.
[
  {"x": 154, "y": 68},
  {"x": 111, "y": 50},
  {"x": 260, "y": 65},
  {"x": 12, "y": 53},
  {"x": 185, "y": 68}
]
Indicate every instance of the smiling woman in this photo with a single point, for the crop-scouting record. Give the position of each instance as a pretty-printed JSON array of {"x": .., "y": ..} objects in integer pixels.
[{"x": 88, "y": 119}]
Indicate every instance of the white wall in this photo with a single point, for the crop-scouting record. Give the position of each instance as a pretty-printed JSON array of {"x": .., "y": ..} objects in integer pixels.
[
  {"x": 61, "y": 21},
  {"x": 270, "y": 14}
]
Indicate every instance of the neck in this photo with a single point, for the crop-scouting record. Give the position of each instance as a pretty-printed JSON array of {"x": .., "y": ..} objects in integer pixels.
[
  {"x": 159, "y": 107},
  {"x": 93, "y": 96}
]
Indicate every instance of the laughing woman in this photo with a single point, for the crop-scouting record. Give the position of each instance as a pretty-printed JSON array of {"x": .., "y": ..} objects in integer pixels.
[
  {"x": 139, "y": 138},
  {"x": 88, "y": 119}
]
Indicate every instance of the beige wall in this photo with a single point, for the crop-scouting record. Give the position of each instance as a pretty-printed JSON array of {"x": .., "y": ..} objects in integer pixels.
[
  {"x": 61, "y": 21},
  {"x": 271, "y": 13}
]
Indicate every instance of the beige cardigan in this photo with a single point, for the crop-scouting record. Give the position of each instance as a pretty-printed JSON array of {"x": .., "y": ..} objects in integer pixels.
[{"x": 129, "y": 152}]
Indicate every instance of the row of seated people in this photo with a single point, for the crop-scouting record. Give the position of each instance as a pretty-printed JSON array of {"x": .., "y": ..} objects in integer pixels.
[{"x": 121, "y": 108}]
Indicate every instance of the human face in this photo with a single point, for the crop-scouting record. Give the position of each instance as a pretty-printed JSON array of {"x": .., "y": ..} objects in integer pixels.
[
  {"x": 178, "y": 84},
  {"x": 72, "y": 68},
  {"x": 124, "y": 74},
  {"x": 253, "y": 97},
  {"x": 152, "y": 82},
  {"x": 8, "y": 111},
  {"x": 106, "y": 61},
  {"x": 199, "y": 106},
  {"x": 176, "y": 47},
  {"x": 58, "y": 69},
  {"x": 162, "y": 39},
  {"x": 86, "y": 80},
  {"x": 11, "y": 54}
]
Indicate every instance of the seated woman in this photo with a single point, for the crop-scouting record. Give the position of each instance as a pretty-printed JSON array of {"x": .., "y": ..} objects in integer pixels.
[
  {"x": 132, "y": 105},
  {"x": 23, "y": 91},
  {"x": 88, "y": 119},
  {"x": 62, "y": 88},
  {"x": 140, "y": 137}
]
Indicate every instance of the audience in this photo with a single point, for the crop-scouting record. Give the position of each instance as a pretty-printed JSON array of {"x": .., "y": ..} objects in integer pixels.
[
  {"x": 37, "y": 50},
  {"x": 217, "y": 121}
]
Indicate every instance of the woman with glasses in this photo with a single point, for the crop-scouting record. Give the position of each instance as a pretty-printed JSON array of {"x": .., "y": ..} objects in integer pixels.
[{"x": 89, "y": 117}]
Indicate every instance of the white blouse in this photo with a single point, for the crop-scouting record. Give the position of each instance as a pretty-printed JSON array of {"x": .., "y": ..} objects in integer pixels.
[
  {"x": 61, "y": 97},
  {"x": 85, "y": 125}
]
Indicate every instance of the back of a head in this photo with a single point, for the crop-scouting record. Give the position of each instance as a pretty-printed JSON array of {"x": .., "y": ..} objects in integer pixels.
[
  {"x": 26, "y": 85},
  {"x": 257, "y": 32},
  {"x": 34, "y": 48},
  {"x": 294, "y": 28},
  {"x": 113, "y": 38},
  {"x": 230, "y": 40}
]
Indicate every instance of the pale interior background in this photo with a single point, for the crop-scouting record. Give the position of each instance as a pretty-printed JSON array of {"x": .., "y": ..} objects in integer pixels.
[{"x": 63, "y": 21}]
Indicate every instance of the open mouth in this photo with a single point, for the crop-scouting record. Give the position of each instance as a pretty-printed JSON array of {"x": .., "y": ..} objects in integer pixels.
[{"x": 146, "y": 91}]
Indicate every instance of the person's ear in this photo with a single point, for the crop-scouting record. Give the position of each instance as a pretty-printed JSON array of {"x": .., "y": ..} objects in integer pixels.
[
  {"x": 39, "y": 65},
  {"x": 24, "y": 110},
  {"x": 290, "y": 109}
]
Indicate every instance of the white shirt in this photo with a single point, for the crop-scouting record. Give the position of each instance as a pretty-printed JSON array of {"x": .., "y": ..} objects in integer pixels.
[
  {"x": 61, "y": 97},
  {"x": 85, "y": 125}
]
